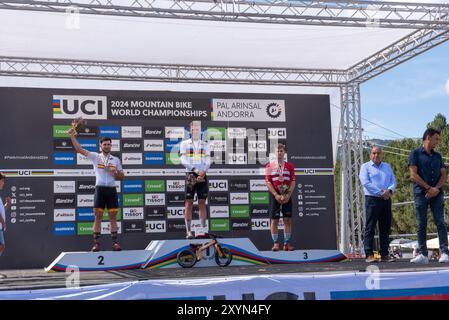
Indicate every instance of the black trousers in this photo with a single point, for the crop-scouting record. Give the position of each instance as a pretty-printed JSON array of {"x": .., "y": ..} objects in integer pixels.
[{"x": 377, "y": 210}]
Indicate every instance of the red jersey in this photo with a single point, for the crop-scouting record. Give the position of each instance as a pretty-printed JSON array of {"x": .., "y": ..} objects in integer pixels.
[{"x": 273, "y": 174}]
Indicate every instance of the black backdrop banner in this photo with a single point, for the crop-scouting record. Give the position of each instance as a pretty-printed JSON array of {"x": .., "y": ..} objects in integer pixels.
[{"x": 52, "y": 187}]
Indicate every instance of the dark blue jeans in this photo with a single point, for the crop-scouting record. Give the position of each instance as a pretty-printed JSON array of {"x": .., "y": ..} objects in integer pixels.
[
  {"x": 377, "y": 210},
  {"x": 437, "y": 207}
]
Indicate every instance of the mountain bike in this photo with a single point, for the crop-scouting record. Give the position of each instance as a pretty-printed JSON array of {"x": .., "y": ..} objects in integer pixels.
[{"x": 187, "y": 258}]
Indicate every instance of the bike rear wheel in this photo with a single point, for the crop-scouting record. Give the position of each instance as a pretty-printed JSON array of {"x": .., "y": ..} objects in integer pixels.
[
  {"x": 225, "y": 259},
  {"x": 186, "y": 258}
]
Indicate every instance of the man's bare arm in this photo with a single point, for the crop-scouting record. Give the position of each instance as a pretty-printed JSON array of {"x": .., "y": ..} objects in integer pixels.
[{"x": 72, "y": 132}]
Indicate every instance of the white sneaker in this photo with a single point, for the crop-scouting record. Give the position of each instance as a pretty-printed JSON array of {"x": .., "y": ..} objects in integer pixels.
[
  {"x": 420, "y": 259},
  {"x": 444, "y": 258}
]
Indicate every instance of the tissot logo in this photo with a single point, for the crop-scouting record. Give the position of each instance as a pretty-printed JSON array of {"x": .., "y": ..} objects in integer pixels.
[
  {"x": 64, "y": 215},
  {"x": 240, "y": 224},
  {"x": 153, "y": 145},
  {"x": 85, "y": 200},
  {"x": 63, "y": 186},
  {"x": 155, "y": 212},
  {"x": 175, "y": 212},
  {"x": 277, "y": 133},
  {"x": 175, "y": 185},
  {"x": 64, "y": 201},
  {"x": 132, "y": 145},
  {"x": 62, "y": 145},
  {"x": 155, "y": 226},
  {"x": 85, "y": 186},
  {"x": 150, "y": 132},
  {"x": 155, "y": 199},
  {"x": 219, "y": 211},
  {"x": 219, "y": 198},
  {"x": 176, "y": 198},
  {"x": 239, "y": 198},
  {"x": 71, "y": 107},
  {"x": 132, "y": 158},
  {"x": 239, "y": 185},
  {"x": 218, "y": 185},
  {"x": 236, "y": 133},
  {"x": 260, "y": 224},
  {"x": 217, "y": 145},
  {"x": 131, "y": 132},
  {"x": 133, "y": 213},
  {"x": 133, "y": 226}
]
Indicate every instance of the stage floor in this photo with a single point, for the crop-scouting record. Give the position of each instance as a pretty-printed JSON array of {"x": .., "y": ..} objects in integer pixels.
[{"x": 39, "y": 279}]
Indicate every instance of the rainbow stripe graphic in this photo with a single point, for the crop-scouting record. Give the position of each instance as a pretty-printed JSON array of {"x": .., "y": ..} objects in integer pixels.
[{"x": 56, "y": 105}]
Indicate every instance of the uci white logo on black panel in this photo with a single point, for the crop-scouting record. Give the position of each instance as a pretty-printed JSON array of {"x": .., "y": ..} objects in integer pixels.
[
  {"x": 155, "y": 226},
  {"x": 71, "y": 107}
]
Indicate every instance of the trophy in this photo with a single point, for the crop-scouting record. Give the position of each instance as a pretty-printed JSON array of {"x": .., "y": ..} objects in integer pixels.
[
  {"x": 78, "y": 124},
  {"x": 191, "y": 180},
  {"x": 284, "y": 191}
]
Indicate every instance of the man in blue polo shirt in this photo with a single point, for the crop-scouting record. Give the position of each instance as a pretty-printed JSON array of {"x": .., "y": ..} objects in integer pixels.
[
  {"x": 378, "y": 183},
  {"x": 428, "y": 173}
]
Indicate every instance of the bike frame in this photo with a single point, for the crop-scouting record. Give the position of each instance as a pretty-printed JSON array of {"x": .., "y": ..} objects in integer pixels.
[{"x": 201, "y": 248}]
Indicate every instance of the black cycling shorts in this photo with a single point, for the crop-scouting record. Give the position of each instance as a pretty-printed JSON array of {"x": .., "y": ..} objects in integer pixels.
[
  {"x": 105, "y": 197},
  {"x": 202, "y": 189},
  {"x": 276, "y": 208}
]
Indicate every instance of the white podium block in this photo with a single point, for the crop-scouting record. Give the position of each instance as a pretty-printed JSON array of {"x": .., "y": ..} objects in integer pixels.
[{"x": 163, "y": 254}]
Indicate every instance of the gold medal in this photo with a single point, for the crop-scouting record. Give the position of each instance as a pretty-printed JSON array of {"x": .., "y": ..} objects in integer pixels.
[
  {"x": 105, "y": 161},
  {"x": 196, "y": 151}
]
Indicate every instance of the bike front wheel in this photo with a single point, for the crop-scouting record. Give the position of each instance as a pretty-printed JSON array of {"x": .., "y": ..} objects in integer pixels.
[
  {"x": 186, "y": 258},
  {"x": 224, "y": 259}
]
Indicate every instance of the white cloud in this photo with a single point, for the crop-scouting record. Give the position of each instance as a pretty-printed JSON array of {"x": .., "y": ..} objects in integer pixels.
[{"x": 447, "y": 86}]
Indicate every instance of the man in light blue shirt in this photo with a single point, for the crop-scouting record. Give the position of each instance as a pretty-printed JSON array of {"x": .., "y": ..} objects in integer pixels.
[{"x": 378, "y": 183}]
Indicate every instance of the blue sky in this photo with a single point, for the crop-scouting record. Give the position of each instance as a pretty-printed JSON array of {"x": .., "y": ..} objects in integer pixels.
[{"x": 407, "y": 97}]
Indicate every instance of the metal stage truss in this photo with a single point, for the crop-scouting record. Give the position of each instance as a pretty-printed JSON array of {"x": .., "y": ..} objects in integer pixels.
[{"x": 429, "y": 25}]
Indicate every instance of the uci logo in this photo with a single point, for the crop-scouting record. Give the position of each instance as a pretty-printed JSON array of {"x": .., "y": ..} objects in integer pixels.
[
  {"x": 309, "y": 171},
  {"x": 156, "y": 226},
  {"x": 280, "y": 133},
  {"x": 24, "y": 172},
  {"x": 71, "y": 107},
  {"x": 175, "y": 213}
]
